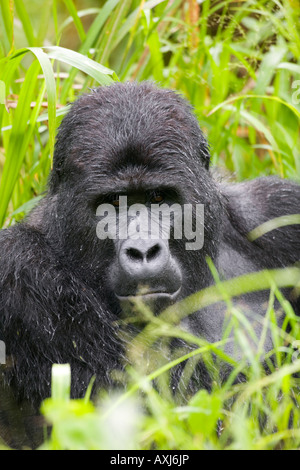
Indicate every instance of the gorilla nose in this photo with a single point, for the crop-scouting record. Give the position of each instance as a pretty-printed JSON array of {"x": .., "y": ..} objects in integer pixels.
[{"x": 143, "y": 259}]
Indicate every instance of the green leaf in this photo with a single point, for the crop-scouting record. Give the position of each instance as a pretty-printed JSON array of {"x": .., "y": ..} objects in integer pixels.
[
  {"x": 78, "y": 24},
  {"x": 252, "y": 282},
  {"x": 51, "y": 93},
  {"x": 156, "y": 56},
  {"x": 294, "y": 68},
  {"x": 283, "y": 221},
  {"x": 95, "y": 29},
  {"x": 131, "y": 20},
  {"x": 81, "y": 62},
  {"x": 268, "y": 65},
  {"x": 91, "y": 38},
  {"x": 6, "y": 23},
  {"x": 27, "y": 206},
  {"x": 2, "y": 92},
  {"x": 260, "y": 127},
  {"x": 26, "y": 23},
  {"x": 205, "y": 410},
  {"x": 107, "y": 38},
  {"x": 19, "y": 139},
  {"x": 7, "y": 75},
  {"x": 81, "y": 14},
  {"x": 254, "y": 97}
]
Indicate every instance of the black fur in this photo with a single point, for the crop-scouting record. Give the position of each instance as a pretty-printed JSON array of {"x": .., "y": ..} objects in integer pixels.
[{"x": 57, "y": 302}]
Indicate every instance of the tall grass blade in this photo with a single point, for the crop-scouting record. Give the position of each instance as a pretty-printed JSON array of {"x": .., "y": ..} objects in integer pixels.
[
  {"x": 51, "y": 93},
  {"x": 78, "y": 24},
  {"x": 19, "y": 137},
  {"x": 26, "y": 23},
  {"x": 101, "y": 74}
]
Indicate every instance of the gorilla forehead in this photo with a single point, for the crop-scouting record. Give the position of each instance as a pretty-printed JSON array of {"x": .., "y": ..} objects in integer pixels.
[
  {"x": 131, "y": 109},
  {"x": 130, "y": 124}
]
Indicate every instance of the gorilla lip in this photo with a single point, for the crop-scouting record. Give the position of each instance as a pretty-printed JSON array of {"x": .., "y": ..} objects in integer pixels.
[{"x": 151, "y": 295}]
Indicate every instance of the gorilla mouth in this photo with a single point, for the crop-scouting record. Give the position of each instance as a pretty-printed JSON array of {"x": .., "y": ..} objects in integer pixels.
[
  {"x": 150, "y": 295},
  {"x": 156, "y": 300}
]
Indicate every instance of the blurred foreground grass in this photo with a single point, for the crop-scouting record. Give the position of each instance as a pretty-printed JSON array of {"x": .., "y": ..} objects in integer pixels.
[
  {"x": 259, "y": 411},
  {"x": 256, "y": 406}
]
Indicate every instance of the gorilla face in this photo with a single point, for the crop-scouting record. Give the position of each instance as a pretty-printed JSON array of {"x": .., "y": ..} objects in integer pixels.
[
  {"x": 143, "y": 263},
  {"x": 135, "y": 150}
]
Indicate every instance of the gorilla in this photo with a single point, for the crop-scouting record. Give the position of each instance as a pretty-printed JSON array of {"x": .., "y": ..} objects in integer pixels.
[{"x": 65, "y": 283}]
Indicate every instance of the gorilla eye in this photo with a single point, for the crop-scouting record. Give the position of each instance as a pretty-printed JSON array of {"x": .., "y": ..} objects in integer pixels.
[
  {"x": 115, "y": 200},
  {"x": 157, "y": 198}
]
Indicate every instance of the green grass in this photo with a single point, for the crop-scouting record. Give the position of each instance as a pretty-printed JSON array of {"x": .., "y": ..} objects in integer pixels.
[
  {"x": 239, "y": 65},
  {"x": 259, "y": 413}
]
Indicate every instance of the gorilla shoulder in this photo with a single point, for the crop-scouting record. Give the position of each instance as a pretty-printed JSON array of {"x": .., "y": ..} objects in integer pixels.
[{"x": 252, "y": 203}]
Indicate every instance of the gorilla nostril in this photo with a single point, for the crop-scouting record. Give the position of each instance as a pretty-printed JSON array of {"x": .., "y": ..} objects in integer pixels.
[
  {"x": 143, "y": 259},
  {"x": 153, "y": 253},
  {"x": 134, "y": 255}
]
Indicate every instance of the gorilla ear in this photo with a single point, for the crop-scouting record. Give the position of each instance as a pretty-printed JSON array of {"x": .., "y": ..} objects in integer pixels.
[
  {"x": 204, "y": 152},
  {"x": 55, "y": 175},
  {"x": 201, "y": 144},
  {"x": 206, "y": 160}
]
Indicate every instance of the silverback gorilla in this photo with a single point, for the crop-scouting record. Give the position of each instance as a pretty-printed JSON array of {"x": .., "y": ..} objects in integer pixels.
[{"x": 63, "y": 288}]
